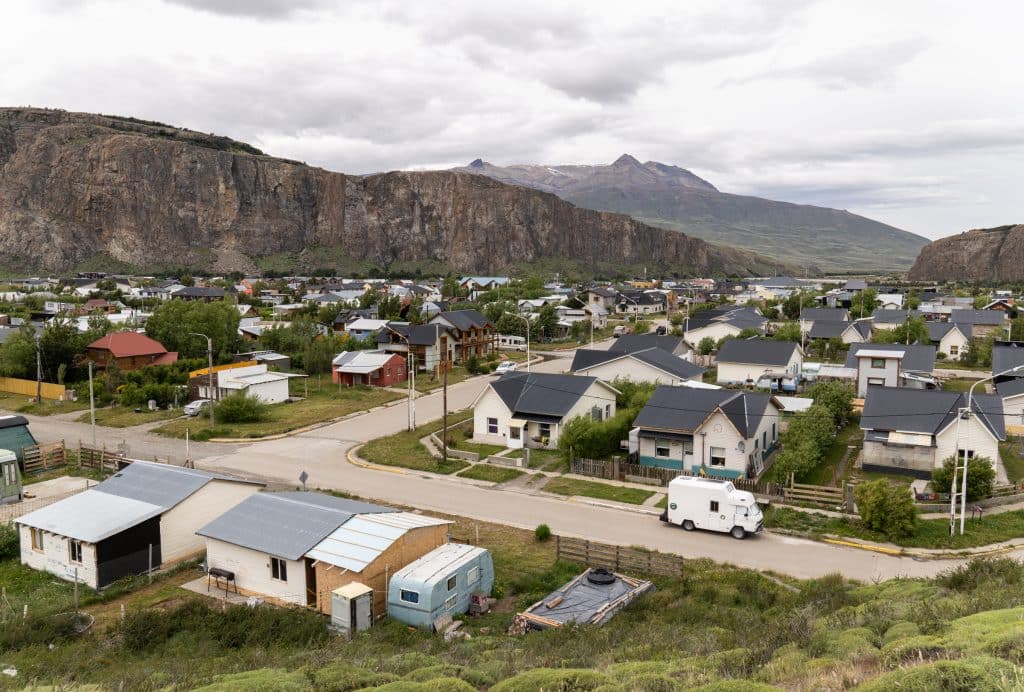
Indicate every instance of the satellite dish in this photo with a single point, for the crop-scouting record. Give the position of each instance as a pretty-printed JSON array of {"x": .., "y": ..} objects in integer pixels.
[{"x": 741, "y": 446}]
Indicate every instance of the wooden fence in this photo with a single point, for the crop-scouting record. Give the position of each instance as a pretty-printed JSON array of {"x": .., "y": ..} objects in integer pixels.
[
  {"x": 14, "y": 385},
  {"x": 821, "y": 495},
  {"x": 617, "y": 558},
  {"x": 625, "y": 471},
  {"x": 101, "y": 458},
  {"x": 39, "y": 458}
]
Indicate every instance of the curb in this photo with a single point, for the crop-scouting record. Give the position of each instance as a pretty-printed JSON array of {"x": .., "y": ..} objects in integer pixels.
[{"x": 896, "y": 551}]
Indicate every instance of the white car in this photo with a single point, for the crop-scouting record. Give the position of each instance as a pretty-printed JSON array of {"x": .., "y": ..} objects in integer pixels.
[
  {"x": 193, "y": 408},
  {"x": 505, "y": 366}
]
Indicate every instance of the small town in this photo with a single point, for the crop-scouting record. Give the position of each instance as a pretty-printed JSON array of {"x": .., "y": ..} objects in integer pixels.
[{"x": 511, "y": 347}]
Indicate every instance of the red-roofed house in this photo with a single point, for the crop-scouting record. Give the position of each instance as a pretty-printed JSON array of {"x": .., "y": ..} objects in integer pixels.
[{"x": 129, "y": 351}]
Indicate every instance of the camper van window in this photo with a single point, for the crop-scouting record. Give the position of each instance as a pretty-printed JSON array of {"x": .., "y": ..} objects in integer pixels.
[
  {"x": 453, "y": 582},
  {"x": 75, "y": 551},
  {"x": 449, "y": 603},
  {"x": 714, "y": 506},
  {"x": 729, "y": 487},
  {"x": 473, "y": 576},
  {"x": 409, "y": 596},
  {"x": 718, "y": 456},
  {"x": 9, "y": 474},
  {"x": 278, "y": 569},
  {"x": 661, "y": 448},
  {"x": 492, "y": 426}
]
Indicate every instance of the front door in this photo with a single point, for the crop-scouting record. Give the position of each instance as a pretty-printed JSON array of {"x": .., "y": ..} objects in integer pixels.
[{"x": 310, "y": 583}]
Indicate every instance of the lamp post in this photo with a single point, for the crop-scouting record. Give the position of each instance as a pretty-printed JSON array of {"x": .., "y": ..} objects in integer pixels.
[
  {"x": 965, "y": 414},
  {"x": 411, "y": 380},
  {"x": 524, "y": 318},
  {"x": 636, "y": 306},
  {"x": 209, "y": 371}
]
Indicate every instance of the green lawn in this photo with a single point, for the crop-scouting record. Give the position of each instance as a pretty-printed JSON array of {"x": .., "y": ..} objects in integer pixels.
[
  {"x": 488, "y": 472},
  {"x": 1012, "y": 460},
  {"x": 850, "y": 435},
  {"x": 956, "y": 365},
  {"x": 960, "y": 384},
  {"x": 19, "y": 403},
  {"x": 602, "y": 491},
  {"x": 122, "y": 417},
  {"x": 484, "y": 450},
  {"x": 404, "y": 448},
  {"x": 324, "y": 405},
  {"x": 427, "y": 383},
  {"x": 931, "y": 533}
]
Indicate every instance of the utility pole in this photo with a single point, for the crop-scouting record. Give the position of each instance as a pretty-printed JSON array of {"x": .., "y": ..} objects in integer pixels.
[
  {"x": 444, "y": 414},
  {"x": 209, "y": 372},
  {"x": 92, "y": 407},
  {"x": 39, "y": 371}
]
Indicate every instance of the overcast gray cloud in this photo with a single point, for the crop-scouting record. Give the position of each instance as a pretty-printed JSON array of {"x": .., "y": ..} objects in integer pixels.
[{"x": 907, "y": 112}]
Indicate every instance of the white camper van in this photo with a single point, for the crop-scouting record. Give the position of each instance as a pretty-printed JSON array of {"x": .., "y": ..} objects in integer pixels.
[{"x": 714, "y": 505}]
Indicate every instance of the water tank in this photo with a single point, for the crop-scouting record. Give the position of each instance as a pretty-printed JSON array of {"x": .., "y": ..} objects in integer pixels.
[{"x": 351, "y": 608}]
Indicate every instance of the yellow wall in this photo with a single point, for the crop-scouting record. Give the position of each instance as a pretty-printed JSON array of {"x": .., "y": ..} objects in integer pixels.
[{"x": 28, "y": 388}]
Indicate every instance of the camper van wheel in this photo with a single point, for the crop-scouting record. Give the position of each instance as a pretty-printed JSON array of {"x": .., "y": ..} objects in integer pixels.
[
  {"x": 738, "y": 532},
  {"x": 687, "y": 525}
]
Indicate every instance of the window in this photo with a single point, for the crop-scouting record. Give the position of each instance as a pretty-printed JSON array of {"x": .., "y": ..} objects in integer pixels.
[
  {"x": 714, "y": 506},
  {"x": 718, "y": 456},
  {"x": 449, "y": 603},
  {"x": 492, "y": 426},
  {"x": 278, "y": 569},
  {"x": 661, "y": 448},
  {"x": 453, "y": 582},
  {"x": 37, "y": 539},
  {"x": 953, "y": 349},
  {"x": 75, "y": 551},
  {"x": 515, "y": 433},
  {"x": 409, "y": 596},
  {"x": 10, "y": 475},
  {"x": 473, "y": 576},
  {"x": 607, "y": 410},
  {"x": 876, "y": 380},
  {"x": 545, "y": 430},
  {"x": 878, "y": 362},
  {"x": 774, "y": 435},
  {"x": 764, "y": 439}
]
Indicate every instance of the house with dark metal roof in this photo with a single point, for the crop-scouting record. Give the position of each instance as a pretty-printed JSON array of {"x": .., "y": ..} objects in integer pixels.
[
  {"x": 884, "y": 318},
  {"x": 1006, "y": 355},
  {"x": 830, "y": 316},
  {"x": 854, "y": 332},
  {"x": 715, "y": 432},
  {"x": 912, "y": 431},
  {"x": 472, "y": 333},
  {"x": 142, "y": 517},
  {"x": 720, "y": 322},
  {"x": 627, "y": 343},
  {"x": 298, "y": 547},
  {"x": 431, "y": 344},
  {"x": 950, "y": 338},
  {"x": 754, "y": 361},
  {"x": 207, "y": 294},
  {"x": 982, "y": 322},
  {"x": 646, "y": 365},
  {"x": 1011, "y": 391},
  {"x": 524, "y": 409},
  {"x": 892, "y": 365}
]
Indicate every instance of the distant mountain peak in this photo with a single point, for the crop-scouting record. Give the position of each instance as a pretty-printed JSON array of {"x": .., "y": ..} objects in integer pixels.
[
  {"x": 477, "y": 163},
  {"x": 625, "y": 160}
]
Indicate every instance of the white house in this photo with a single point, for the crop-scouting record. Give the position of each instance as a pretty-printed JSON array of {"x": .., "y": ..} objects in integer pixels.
[
  {"x": 892, "y": 365},
  {"x": 884, "y": 318},
  {"x": 950, "y": 338},
  {"x": 647, "y": 365},
  {"x": 751, "y": 361},
  {"x": 364, "y": 328},
  {"x": 252, "y": 380},
  {"x": 724, "y": 433},
  {"x": 913, "y": 431},
  {"x": 142, "y": 517},
  {"x": 523, "y": 409},
  {"x": 721, "y": 322}
]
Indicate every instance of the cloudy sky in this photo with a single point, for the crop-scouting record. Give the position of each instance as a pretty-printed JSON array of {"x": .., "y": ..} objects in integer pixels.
[{"x": 909, "y": 112}]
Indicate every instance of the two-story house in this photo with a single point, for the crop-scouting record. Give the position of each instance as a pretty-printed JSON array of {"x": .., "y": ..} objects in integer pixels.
[
  {"x": 472, "y": 333},
  {"x": 892, "y": 365},
  {"x": 431, "y": 344}
]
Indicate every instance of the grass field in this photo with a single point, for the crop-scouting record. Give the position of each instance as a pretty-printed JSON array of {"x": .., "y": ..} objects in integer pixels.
[
  {"x": 488, "y": 472},
  {"x": 19, "y": 403},
  {"x": 931, "y": 533},
  {"x": 961, "y": 385},
  {"x": 327, "y": 404},
  {"x": 601, "y": 491},
  {"x": 1013, "y": 461},
  {"x": 850, "y": 435},
  {"x": 121, "y": 417},
  {"x": 404, "y": 448}
]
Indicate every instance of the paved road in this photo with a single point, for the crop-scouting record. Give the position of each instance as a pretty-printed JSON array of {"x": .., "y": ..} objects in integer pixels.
[{"x": 322, "y": 453}]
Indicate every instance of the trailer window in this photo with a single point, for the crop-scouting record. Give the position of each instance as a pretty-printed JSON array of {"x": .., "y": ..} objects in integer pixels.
[
  {"x": 452, "y": 582},
  {"x": 473, "y": 576},
  {"x": 449, "y": 603},
  {"x": 409, "y": 596}
]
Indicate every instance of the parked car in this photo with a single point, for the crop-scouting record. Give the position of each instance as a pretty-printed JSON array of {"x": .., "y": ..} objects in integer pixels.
[
  {"x": 620, "y": 330},
  {"x": 661, "y": 330},
  {"x": 505, "y": 366},
  {"x": 193, "y": 408}
]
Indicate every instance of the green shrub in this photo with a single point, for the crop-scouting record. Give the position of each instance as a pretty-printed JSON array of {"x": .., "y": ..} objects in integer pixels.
[
  {"x": 736, "y": 686},
  {"x": 553, "y": 679},
  {"x": 981, "y": 474},
  {"x": 40, "y": 629},
  {"x": 912, "y": 650},
  {"x": 341, "y": 676},
  {"x": 259, "y": 680},
  {"x": 542, "y": 532},
  {"x": 900, "y": 630},
  {"x": 982, "y": 571},
  {"x": 968, "y": 675},
  {"x": 436, "y": 685},
  {"x": 887, "y": 508},
  {"x": 10, "y": 545},
  {"x": 474, "y": 677},
  {"x": 239, "y": 408}
]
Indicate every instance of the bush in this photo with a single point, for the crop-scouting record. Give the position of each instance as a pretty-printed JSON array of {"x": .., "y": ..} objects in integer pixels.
[
  {"x": 706, "y": 346},
  {"x": 10, "y": 546},
  {"x": 542, "y": 533},
  {"x": 981, "y": 475},
  {"x": 552, "y": 679},
  {"x": 968, "y": 675},
  {"x": 886, "y": 508},
  {"x": 239, "y": 408}
]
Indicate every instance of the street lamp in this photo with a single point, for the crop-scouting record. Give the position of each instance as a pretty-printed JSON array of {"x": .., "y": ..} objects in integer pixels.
[
  {"x": 411, "y": 379},
  {"x": 636, "y": 306},
  {"x": 524, "y": 318},
  {"x": 209, "y": 371},
  {"x": 965, "y": 414}
]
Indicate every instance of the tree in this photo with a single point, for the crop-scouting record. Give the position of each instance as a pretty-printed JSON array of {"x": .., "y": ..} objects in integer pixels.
[
  {"x": 981, "y": 475},
  {"x": 641, "y": 326},
  {"x": 239, "y": 408},
  {"x": 748, "y": 333},
  {"x": 886, "y": 508},
  {"x": 864, "y": 303},
  {"x": 18, "y": 354},
  {"x": 836, "y": 397},
  {"x": 546, "y": 323},
  {"x": 809, "y": 435},
  {"x": 510, "y": 325},
  {"x": 173, "y": 322},
  {"x": 790, "y": 331},
  {"x": 913, "y": 331},
  {"x": 791, "y": 306},
  {"x": 706, "y": 346}
]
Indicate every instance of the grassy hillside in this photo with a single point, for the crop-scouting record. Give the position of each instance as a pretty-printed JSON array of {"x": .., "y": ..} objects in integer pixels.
[{"x": 719, "y": 628}]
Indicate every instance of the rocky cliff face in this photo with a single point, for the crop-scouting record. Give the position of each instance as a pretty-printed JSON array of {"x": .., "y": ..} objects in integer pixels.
[
  {"x": 988, "y": 254},
  {"x": 78, "y": 188}
]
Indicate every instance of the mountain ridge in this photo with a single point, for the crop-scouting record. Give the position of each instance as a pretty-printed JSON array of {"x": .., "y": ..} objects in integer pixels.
[
  {"x": 78, "y": 188},
  {"x": 673, "y": 197},
  {"x": 980, "y": 254}
]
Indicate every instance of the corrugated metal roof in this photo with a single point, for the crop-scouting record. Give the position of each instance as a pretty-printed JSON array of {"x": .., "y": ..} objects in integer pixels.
[
  {"x": 440, "y": 560},
  {"x": 90, "y": 516},
  {"x": 162, "y": 485},
  {"x": 362, "y": 539},
  {"x": 285, "y": 524}
]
